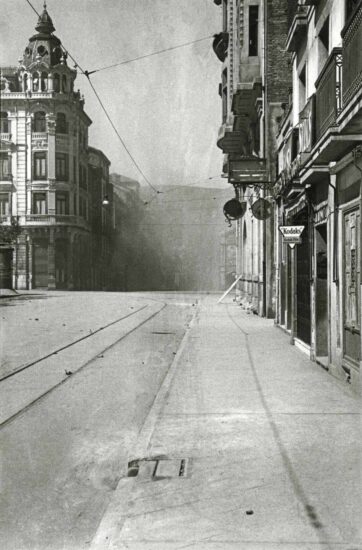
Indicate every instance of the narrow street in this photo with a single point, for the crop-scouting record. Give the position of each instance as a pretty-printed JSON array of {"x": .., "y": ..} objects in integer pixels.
[{"x": 176, "y": 426}]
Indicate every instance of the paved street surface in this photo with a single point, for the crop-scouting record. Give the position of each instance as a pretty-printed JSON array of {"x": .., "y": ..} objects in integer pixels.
[{"x": 181, "y": 424}]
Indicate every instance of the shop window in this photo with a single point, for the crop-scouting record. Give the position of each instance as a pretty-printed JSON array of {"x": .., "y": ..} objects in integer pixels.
[
  {"x": 39, "y": 203},
  {"x": 61, "y": 124},
  {"x": 40, "y": 166},
  {"x": 253, "y": 30},
  {"x": 62, "y": 203},
  {"x": 39, "y": 122},
  {"x": 4, "y": 204},
  {"x": 5, "y": 166},
  {"x": 4, "y": 123},
  {"x": 61, "y": 166}
]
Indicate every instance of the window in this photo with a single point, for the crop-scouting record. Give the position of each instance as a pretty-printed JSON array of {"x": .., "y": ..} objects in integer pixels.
[
  {"x": 61, "y": 125},
  {"x": 224, "y": 94},
  {"x": 4, "y": 204},
  {"x": 39, "y": 203},
  {"x": 62, "y": 203},
  {"x": 56, "y": 83},
  {"x": 40, "y": 166},
  {"x": 4, "y": 123},
  {"x": 323, "y": 45},
  {"x": 5, "y": 166},
  {"x": 39, "y": 123},
  {"x": 35, "y": 82},
  {"x": 302, "y": 88},
  {"x": 64, "y": 83},
  {"x": 83, "y": 207},
  {"x": 61, "y": 166},
  {"x": 253, "y": 30},
  {"x": 44, "y": 82},
  {"x": 82, "y": 176}
]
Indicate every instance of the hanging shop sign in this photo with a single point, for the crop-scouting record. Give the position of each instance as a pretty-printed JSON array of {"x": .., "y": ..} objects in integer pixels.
[
  {"x": 291, "y": 234},
  {"x": 261, "y": 209},
  {"x": 234, "y": 209}
]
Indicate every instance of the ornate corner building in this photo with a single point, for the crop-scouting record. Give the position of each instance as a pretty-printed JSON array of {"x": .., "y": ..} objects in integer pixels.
[
  {"x": 319, "y": 185},
  {"x": 44, "y": 167}
]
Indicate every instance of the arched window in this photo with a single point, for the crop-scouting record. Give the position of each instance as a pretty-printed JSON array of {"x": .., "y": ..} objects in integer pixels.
[
  {"x": 44, "y": 82},
  {"x": 25, "y": 88},
  {"x": 4, "y": 121},
  {"x": 39, "y": 122},
  {"x": 56, "y": 83},
  {"x": 35, "y": 82},
  {"x": 61, "y": 126},
  {"x": 64, "y": 83}
]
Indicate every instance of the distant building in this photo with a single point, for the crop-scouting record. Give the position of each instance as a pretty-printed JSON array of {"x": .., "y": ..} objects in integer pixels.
[
  {"x": 44, "y": 168},
  {"x": 101, "y": 218}
]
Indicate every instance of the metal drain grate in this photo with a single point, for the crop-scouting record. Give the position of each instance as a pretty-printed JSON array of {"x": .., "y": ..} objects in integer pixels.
[
  {"x": 170, "y": 468},
  {"x": 158, "y": 468}
]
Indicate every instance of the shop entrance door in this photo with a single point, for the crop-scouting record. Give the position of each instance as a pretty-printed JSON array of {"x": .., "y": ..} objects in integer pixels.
[
  {"x": 321, "y": 291},
  {"x": 351, "y": 288},
  {"x": 303, "y": 277},
  {"x": 40, "y": 264}
]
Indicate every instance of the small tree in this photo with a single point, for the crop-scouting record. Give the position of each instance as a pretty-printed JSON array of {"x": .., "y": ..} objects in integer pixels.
[{"x": 9, "y": 233}]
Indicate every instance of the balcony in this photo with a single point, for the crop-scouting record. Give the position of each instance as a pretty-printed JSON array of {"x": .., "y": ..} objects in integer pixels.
[
  {"x": 307, "y": 127},
  {"x": 352, "y": 61},
  {"x": 298, "y": 17},
  {"x": 58, "y": 220},
  {"x": 5, "y": 136},
  {"x": 328, "y": 93},
  {"x": 220, "y": 45},
  {"x": 248, "y": 171},
  {"x": 229, "y": 140}
]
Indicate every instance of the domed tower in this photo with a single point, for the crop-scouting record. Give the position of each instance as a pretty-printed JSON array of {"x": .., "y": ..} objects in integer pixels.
[{"x": 43, "y": 67}]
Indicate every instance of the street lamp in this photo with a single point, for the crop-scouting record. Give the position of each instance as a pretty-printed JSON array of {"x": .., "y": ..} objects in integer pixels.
[{"x": 105, "y": 201}]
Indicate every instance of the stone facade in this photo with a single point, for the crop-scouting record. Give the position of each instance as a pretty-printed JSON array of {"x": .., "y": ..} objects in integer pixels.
[{"x": 44, "y": 167}]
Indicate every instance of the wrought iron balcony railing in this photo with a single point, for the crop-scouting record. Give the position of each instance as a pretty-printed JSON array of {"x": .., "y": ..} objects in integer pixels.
[
  {"x": 328, "y": 93},
  {"x": 352, "y": 56}
]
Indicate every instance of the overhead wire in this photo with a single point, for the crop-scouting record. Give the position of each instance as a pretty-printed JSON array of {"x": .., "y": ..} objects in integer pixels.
[{"x": 88, "y": 73}]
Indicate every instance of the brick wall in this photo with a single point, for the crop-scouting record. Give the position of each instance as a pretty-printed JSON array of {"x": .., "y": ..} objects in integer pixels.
[{"x": 278, "y": 69}]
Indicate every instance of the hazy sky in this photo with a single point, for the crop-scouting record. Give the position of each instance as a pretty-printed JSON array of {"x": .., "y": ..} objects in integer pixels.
[{"x": 166, "y": 107}]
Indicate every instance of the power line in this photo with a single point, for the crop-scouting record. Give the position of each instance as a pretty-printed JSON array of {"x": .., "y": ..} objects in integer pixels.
[
  {"x": 106, "y": 113},
  {"x": 121, "y": 139},
  {"x": 87, "y": 73}
]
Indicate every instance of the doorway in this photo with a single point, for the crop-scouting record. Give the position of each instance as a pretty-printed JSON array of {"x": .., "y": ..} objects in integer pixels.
[
  {"x": 40, "y": 264},
  {"x": 321, "y": 294},
  {"x": 351, "y": 289},
  {"x": 303, "y": 278}
]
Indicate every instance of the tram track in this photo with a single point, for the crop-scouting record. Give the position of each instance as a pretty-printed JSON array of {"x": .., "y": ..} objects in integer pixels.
[
  {"x": 22, "y": 410},
  {"x": 66, "y": 346}
]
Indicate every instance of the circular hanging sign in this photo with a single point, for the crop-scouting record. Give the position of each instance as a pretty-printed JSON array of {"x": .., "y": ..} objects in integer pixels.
[
  {"x": 261, "y": 209},
  {"x": 234, "y": 209}
]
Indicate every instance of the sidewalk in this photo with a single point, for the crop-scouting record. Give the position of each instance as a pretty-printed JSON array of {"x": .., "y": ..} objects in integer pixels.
[{"x": 248, "y": 445}]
